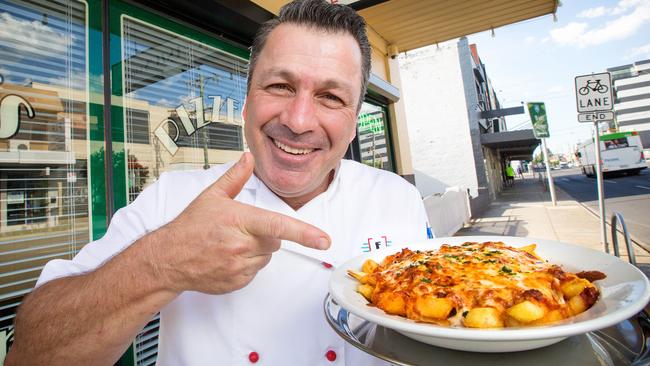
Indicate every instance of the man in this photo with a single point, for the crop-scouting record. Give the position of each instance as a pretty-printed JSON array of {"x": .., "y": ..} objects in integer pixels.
[
  {"x": 510, "y": 175},
  {"x": 215, "y": 252}
]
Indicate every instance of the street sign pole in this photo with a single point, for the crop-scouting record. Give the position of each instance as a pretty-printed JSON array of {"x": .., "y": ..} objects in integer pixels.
[
  {"x": 551, "y": 186},
  {"x": 601, "y": 191},
  {"x": 594, "y": 102}
]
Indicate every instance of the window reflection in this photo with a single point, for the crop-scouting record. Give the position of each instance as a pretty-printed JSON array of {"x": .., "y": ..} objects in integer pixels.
[
  {"x": 43, "y": 143},
  {"x": 372, "y": 134},
  {"x": 183, "y": 103}
]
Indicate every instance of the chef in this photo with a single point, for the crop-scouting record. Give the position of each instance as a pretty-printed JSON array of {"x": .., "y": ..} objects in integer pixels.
[{"x": 237, "y": 258}]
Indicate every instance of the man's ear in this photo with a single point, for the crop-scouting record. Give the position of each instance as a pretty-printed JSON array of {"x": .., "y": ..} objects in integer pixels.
[{"x": 352, "y": 135}]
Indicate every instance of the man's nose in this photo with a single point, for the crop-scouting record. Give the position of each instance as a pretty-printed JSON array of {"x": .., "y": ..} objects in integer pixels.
[{"x": 300, "y": 114}]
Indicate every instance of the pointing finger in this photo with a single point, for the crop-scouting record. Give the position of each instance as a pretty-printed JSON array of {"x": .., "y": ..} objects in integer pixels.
[{"x": 273, "y": 225}]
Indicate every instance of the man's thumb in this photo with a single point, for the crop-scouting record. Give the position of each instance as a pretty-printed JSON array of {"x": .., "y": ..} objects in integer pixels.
[{"x": 233, "y": 180}]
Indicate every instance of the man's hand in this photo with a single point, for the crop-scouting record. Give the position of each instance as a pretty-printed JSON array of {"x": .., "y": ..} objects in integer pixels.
[{"x": 217, "y": 245}]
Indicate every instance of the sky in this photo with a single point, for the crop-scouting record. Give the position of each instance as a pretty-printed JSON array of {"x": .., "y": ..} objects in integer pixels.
[{"x": 538, "y": 59}]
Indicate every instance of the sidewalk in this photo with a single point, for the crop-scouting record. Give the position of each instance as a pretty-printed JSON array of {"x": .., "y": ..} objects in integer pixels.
[{"x": 526, "y": 210}]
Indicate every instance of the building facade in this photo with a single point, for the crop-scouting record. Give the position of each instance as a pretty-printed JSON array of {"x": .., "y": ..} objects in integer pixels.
[
  {"x": 452, "y": 108},
  {"x": 632, "y": 102}
]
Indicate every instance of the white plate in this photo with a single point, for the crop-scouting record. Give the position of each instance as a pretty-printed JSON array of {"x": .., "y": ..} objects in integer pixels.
[{"x": 624, "y": 292}]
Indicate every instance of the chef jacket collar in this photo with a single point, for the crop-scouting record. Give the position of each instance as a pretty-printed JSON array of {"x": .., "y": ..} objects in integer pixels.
[{"x": 265, "y": 198}]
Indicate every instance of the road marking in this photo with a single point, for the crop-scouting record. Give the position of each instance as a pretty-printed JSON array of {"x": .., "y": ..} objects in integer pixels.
[
  {"x": 644, "y": 187},
  {"x": 609, "y": 181}
]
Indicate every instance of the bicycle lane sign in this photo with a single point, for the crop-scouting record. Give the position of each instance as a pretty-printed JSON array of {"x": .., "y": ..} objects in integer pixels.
[{"x": 594, "y": 92}]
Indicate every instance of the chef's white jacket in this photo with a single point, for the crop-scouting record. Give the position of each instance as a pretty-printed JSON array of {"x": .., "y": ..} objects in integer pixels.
[{"x": 278, "y": 318}]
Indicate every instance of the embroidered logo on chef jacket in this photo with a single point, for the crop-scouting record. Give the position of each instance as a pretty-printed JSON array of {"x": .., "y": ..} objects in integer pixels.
[{"x": 376, "y": 243}]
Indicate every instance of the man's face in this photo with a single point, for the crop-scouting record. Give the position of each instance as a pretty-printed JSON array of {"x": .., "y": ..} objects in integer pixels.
[{"x": 300, "y": 111}]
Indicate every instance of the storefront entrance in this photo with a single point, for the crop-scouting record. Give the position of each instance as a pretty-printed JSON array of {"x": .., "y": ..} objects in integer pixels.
[{"x": 70, "y": 157}]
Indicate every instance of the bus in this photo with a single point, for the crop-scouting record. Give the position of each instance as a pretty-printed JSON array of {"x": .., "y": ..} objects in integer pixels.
[{"x": 620, "y": 153}]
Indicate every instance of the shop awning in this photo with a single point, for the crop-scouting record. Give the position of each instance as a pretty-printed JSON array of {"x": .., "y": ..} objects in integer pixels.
[
  {"x": 410, "y": 24},
  {"x": 512, "y": 145}
]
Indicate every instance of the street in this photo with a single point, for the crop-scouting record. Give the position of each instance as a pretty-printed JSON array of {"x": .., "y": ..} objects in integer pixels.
[{"x": 628, "y": 195}]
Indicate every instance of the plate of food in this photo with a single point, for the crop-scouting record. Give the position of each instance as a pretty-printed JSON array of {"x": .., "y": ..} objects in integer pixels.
[{"x": 490, "y": 293}]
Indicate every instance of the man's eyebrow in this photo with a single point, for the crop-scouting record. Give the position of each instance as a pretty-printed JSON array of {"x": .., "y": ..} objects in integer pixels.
[
  {"x": 281, "y": 72},
  {"x": 326, "y": 84}
]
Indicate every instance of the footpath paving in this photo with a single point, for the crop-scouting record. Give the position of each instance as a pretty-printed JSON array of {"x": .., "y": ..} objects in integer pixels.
[{"x": 525, "y": 210}]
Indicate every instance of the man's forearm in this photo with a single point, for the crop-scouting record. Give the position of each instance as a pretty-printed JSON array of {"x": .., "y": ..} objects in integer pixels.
[{"x": 91, "y": 318}]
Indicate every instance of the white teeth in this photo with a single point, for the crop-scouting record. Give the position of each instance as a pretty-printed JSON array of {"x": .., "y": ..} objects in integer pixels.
[{"x": 292, "y": 150}]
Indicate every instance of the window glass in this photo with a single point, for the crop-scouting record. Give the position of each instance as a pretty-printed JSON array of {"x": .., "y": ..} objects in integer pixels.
[
  {"x": 616, "y": 143},
  {"x": 44, "y": 205},
  {"x": 182, "y": 101},
  {"x": 373, "y": 137}
]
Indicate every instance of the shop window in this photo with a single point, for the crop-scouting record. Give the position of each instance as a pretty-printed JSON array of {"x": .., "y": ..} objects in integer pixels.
[
  {"x": 44, "y": 205},
  {"x": 183, "y": 101},
  {"x": 182, "y": 98},
  {"x": 373, "y": 137}
]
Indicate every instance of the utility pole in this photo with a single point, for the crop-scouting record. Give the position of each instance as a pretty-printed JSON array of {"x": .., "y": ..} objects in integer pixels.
[{"x": 601, "y": 190}]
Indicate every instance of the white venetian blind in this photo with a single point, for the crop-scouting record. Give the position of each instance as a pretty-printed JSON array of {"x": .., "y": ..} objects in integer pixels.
[
  {"x": 43, "y": 163},
  {"x": 191, "y": 90}
]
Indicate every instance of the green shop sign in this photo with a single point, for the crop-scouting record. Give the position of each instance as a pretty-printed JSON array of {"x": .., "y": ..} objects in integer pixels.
[{"x": 371, "y": 122}]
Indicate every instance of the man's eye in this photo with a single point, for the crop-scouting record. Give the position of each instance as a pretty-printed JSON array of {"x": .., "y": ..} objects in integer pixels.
[
  {"x": 333, "y": 98},
  {"x": 280, "y": 87}
]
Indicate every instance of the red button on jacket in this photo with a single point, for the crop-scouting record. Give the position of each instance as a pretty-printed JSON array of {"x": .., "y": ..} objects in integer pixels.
[
  {"x": 253, "y": 357},
  {"x": 330, "y": 355}
]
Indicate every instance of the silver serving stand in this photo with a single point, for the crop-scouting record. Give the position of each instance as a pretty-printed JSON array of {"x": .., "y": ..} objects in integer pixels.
[{"x": 626, "y": 343}]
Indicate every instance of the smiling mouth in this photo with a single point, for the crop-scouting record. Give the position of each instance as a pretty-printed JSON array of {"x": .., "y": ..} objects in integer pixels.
[{"x": 291, "y": 150}]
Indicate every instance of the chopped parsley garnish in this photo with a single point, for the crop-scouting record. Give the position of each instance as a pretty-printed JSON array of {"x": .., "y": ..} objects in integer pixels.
[
  {"x": 491, "y": 253},
  {"x": 425, "y": 280},
  {"x": 489, "y": 261},
  {"x": 506, "y": 270}
]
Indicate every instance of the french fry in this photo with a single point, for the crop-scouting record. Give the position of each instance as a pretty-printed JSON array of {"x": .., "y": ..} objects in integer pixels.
[
  {"x": 366, "y": 291},
  {"x": 392, "y": 303},
  {"x": 483, "y": 318},
  {"x": 359, "y": 276},
  {"x": 577, "y": 305},
  {"x": 530, "y": 248},
  {"x": 369, "y": 266},
  {"x": 434, "y": 307},
  {"x": 526, "y": 311},
  {"x": 574, "y": 287}
]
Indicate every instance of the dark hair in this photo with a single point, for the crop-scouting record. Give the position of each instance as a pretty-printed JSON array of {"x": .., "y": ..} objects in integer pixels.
[{"x": 321, "y": 15}]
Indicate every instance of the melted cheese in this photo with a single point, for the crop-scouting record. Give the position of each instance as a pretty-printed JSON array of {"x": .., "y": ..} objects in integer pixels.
[{"x": 472, "y": 275}]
